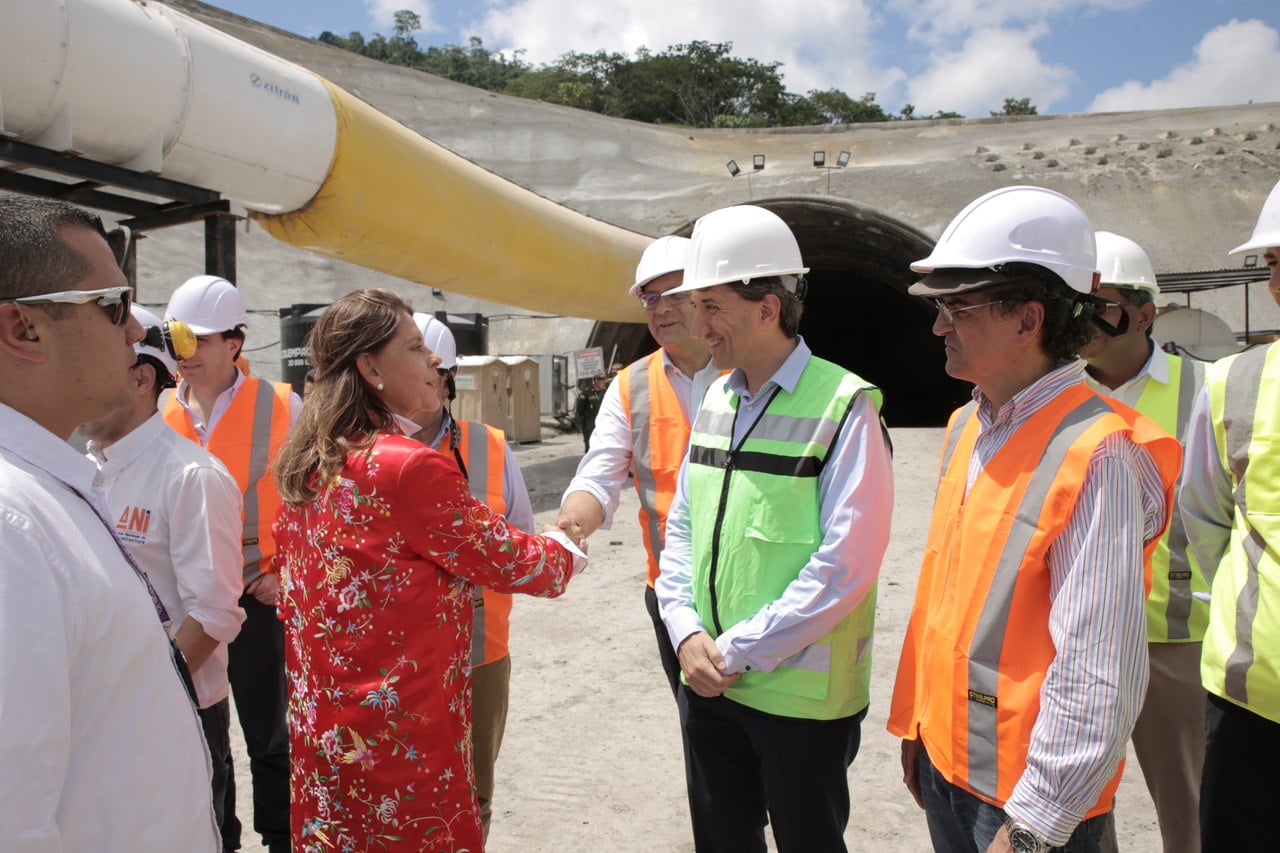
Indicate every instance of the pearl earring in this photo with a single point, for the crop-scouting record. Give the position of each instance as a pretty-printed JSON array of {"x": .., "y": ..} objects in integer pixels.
[{"x": 379, "y": 386}]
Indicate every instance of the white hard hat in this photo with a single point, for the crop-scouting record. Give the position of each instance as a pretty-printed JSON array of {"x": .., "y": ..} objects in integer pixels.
[
  {"x": 738, "y": 244},
  {"x": 208, "y": 304},
  {"x": 149, "y": 320},
  {"x": 1125, "y": 264},
  {"x": 1030, "y": 225},
  {"x": 664, "y": 255},
  {"x": 1267, "y": 232},
  {"x": 438, "y": 338}
]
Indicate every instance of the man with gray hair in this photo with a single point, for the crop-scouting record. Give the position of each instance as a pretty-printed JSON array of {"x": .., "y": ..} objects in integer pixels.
[{"x": 642, "y": 428}]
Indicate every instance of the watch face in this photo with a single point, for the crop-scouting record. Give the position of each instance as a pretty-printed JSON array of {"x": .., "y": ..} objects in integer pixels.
[{"x": 1023, "y": 841}]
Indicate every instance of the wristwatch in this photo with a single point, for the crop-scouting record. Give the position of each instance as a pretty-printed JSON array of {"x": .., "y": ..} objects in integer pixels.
[{"x": 1023, "y": 840}]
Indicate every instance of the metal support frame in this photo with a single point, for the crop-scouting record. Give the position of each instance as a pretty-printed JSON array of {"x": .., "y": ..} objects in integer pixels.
[
  {"x": 96, "y": 185},
  {"x": 220, "y": 247}
]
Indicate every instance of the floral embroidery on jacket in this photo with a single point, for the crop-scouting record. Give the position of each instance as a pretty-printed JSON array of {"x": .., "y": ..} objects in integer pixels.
[{"x": 377, "y": 587}]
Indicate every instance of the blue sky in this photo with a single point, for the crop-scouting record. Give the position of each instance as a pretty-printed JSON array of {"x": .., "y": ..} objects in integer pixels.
[{"x": 962, "y": 55}]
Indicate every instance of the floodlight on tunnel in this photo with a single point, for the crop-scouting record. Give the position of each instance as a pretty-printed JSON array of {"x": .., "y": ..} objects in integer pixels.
[
  {"x": 1250, "y": 261},
  {"x": 732, "y": 166},
  {"x": 820, "y": 159},
  {"x": 757, "y": 162},
  {"x": 843, "y": 159}
]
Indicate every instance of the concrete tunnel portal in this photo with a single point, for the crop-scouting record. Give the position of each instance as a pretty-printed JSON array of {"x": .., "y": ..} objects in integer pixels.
[{"x": 857, "y": 312}]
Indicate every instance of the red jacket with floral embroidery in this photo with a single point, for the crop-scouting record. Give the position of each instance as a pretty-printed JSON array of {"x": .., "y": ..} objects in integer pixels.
[{"x": 376, "y": 579}]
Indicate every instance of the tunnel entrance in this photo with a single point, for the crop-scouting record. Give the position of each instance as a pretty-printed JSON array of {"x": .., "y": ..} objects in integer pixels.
[{"x": 857, "y": 313}]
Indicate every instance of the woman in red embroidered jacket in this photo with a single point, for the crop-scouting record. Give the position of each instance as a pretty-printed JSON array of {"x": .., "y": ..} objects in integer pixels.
[{"x": 380, "y": 542}]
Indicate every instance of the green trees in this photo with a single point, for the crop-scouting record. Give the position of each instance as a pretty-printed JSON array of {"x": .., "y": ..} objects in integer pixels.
[
  {"x": 473, "y": 65},
  {"x": 1016, "y": 107},
  {"x": 698, "y": 84}
]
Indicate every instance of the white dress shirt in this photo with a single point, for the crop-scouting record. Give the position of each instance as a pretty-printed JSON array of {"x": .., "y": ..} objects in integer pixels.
[
  {"x": 856, "y": 493},
  {"x": 1156, "y": 369},
  {"x": 101, "y": 747},
  {"x": 204, "y": 429},
  {"x": 178, "y": 511},
  {"x": 603, "y": 471}
]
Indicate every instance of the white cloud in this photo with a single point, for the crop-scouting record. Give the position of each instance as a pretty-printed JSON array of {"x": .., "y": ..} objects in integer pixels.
[
  {"x": 938, "y": 22},
  {"x": 383, "y": 13},
  {"x": 821, "y": 45},
  {"x": 992, "y": 65},
  {"x": 1234, "y": 63}
]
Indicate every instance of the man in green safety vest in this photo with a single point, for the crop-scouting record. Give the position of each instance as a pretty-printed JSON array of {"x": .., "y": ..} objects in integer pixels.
[
  {"x": 1124, "y": 362},
  {"x": 1230, "y": 503},
  {"x": 773, "y": 546}
]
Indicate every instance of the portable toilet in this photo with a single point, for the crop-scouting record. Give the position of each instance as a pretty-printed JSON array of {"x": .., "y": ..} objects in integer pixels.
[
  {"x": 525, "y": 408},
  {"x": 482, "y": 391}
]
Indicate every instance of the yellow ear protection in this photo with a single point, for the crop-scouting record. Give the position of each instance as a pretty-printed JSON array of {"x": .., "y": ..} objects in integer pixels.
[{"x": 174, "y": 337}]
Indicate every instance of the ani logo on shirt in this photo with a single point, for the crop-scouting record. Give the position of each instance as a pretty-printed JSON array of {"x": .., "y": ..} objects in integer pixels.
[{"x": 132, "y": 525}]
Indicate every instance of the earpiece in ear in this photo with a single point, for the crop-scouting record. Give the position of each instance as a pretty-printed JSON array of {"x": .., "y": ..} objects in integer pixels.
[{"x": 31, "y": 334}]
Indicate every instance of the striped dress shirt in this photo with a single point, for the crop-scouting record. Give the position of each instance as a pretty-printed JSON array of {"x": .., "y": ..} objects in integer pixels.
[{"x": 1094, "y": 688}]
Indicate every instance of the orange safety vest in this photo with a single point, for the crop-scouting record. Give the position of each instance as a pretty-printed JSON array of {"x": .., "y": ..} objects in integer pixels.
[
  {"x": 978, "y": 645},
  {"x": 484, "y": 463},
  {"x": 246, "y": 439},
  {"x": 659, "y": 439}
]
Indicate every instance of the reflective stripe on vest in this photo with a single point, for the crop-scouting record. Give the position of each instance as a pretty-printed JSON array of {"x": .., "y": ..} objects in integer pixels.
[
  {"x": 659, "y": 438},
  {"x": 1173, "y": 614},
  {"x": 246, "y": 439},
  {"x": 485, "y": 463},
  {"x": 755, "y": 524},
  {"x": 1244, "y": 396},
  {"x": 972, "y": 697},
  {"x": 987, "y": 645},
  {"x": 259, "y": 454}
]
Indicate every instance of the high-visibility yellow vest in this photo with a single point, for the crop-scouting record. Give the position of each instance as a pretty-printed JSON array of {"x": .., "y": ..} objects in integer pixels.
[
  {"x": 1174, "y": 615},
  {"x": 754, "y": 523},
  {"x": 1241, "y": 658},
  {"x": 246, "y": 439}
]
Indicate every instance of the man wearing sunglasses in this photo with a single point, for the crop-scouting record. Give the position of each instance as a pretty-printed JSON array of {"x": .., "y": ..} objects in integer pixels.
[
  {"x": 101, "y": 745},
  {"x": 177, "y": 511},
  {"x": 243, "y": 421},
  {"x": 1025, "y": 659},
  {"x": 642, "y": 427},
  {"x": 1123, "y": 362}
]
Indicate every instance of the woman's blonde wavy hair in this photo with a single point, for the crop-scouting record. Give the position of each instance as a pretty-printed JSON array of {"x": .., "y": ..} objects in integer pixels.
[{"x": 341, "y": 413}]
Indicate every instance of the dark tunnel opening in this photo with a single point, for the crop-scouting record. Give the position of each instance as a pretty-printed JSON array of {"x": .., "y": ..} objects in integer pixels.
[{"x": 857, "y": 313}]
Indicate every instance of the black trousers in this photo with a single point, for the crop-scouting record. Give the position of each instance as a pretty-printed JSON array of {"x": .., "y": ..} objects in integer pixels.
[
  {"x": 255, "y": 667},
  {"x": 1241, "y": 785},
  {"x": 745, "y": 768},
  {"x": 670, "y": 661},
  {"x": 216, "y": 721}
]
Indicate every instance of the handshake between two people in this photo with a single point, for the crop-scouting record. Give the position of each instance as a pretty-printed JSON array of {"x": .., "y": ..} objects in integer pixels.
[{"x": 570, "y": 528}]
